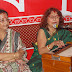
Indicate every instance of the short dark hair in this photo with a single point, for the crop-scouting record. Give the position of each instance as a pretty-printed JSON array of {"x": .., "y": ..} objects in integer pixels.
[
  {"x": 47, "y": 13},
  {"x": 3, "y": 11}
]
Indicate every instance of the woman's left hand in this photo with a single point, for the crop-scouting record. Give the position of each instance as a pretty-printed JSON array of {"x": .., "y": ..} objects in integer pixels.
[
  {"x": 19, "y": 54},
  {"x": 60, "y": 44}
]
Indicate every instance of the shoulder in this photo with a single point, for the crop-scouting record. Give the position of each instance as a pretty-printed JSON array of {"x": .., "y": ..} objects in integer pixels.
[
  {"x": 64, "y": 31},
  {"x": 41, "y": 34},
  {"x": 13, "y": 32},
  {"x": 41, "y": 31}
]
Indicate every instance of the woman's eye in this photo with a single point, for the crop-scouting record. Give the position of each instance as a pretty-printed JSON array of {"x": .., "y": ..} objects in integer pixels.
[
  {"x": 52, "y": 17},
  {"x": 2, "y": 20}
]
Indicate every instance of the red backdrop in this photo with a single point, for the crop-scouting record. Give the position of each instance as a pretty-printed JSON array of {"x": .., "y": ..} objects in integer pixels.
[{"x": 25, "y": 16}]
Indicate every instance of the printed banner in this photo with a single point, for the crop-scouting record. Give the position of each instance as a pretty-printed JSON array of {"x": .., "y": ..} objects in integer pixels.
[{"x": 27, "y": 12}]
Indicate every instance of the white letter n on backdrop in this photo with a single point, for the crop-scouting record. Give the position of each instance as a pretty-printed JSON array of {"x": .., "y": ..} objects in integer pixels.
[{"x": 20, "y": 6}]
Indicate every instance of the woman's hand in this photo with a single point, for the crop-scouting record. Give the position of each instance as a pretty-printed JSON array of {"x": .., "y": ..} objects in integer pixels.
[
  {"x": 19, "y": 54},
  {"x": 59, "y": 43}
]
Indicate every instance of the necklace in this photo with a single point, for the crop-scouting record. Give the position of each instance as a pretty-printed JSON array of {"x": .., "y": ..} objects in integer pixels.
[
  {"x": 55, "y": 38},
  {"x": 53, "y": 33}
]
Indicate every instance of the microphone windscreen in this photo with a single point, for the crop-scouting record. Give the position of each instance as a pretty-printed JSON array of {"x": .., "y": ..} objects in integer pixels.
[{"x": 55, "y": 25}]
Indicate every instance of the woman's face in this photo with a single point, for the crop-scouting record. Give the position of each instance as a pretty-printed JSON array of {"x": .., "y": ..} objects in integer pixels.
[
  {"x": 53, "y": 18},
  {"x": 4, "y": 22}
]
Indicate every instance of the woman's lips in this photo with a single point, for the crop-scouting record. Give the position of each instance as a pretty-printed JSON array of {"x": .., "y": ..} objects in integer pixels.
[{"x": 54, "y": 22}]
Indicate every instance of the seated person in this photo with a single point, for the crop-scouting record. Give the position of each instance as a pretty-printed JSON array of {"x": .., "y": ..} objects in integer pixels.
[
  {"x": 49, "y": 37},
  {"x": 12, "y": 57}
]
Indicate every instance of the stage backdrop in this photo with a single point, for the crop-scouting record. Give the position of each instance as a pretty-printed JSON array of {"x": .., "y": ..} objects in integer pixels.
[{"x": 25, "y": 16}]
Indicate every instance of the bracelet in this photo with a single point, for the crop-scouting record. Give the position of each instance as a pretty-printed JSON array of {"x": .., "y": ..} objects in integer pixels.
[{"x": 48, "y": 47}]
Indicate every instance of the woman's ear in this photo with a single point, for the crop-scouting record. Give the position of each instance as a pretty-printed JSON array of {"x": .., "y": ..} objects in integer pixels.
[{"x": 9, "y": 20}]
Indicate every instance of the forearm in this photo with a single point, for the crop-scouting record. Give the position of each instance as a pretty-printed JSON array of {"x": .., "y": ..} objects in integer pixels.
[
  {"x": 45, "y": 49},
  {"x": 7, "y": 56}
]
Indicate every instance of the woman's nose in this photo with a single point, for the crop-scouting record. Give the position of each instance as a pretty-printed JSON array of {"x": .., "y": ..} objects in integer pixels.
[{"x": 54, "y": 18}]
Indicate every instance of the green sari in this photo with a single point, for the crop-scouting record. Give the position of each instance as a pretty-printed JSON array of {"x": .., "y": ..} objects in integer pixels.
[{"x": 35, "y": 62}]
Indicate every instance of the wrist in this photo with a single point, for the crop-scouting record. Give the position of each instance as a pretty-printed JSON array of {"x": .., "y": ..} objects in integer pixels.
[
  {"x": 52, "y": 44},
  {"x": 48, "y": 47},
  {"x": 14, "y": 56}
]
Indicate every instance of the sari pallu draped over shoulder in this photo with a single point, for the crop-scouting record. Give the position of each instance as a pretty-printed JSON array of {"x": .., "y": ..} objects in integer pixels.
[{"x": 12, "y": 43}]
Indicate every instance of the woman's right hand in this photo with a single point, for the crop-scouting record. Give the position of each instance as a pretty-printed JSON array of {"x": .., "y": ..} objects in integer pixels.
[
  {"x": 59, "y": 43},
  {"x": 19, "y": 54}
]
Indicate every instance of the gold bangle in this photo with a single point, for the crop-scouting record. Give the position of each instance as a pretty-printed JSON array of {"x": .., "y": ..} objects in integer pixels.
[{"x": 48, "y": 47}]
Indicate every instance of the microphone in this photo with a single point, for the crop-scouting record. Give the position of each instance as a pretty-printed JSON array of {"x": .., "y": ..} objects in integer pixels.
[
  {"x": 62, "y": 26},
  {"x": 55, "y": 25}
]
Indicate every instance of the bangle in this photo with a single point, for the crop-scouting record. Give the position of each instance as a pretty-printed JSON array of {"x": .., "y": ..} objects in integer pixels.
[{"x": 48, "y": 47}]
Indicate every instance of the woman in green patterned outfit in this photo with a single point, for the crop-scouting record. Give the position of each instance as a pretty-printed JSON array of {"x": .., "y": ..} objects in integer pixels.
[{"x": 49, "y": 37}]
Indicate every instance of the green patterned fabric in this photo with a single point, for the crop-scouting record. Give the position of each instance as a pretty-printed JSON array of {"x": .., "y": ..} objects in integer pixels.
[{"x": 35, "y": 62}]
